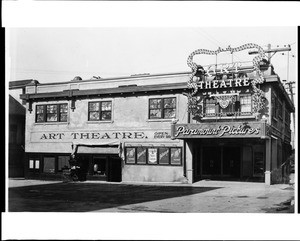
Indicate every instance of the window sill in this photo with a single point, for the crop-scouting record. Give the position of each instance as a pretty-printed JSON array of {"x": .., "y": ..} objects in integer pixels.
[
  {"x": 100, "y": 122},
  {"x": 51, "y": 123},
  {"x": 229, "y": 117},
  {"x": 159, "y": 120}
]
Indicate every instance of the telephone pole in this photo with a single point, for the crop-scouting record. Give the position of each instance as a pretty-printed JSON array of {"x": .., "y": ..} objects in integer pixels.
[
  {"x": 289, "y": 84},
  {"x": 270, "y": 50}
]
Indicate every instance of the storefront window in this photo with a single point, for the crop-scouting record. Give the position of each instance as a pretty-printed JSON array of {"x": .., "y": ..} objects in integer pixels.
[
  {"x": 100, "y": 110},
  {"x": 34, "y": 164},
  {"x": 258, "y": 168},
  {"x": 63, "y": 162},
  {"x": 163, "y": 108},
  {"x": 49, "y": 164}
]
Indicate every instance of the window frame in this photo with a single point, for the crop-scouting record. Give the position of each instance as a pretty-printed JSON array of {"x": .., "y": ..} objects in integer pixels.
[
  {"x": 209, "y": 103},
  {"x": 100, "y": 111},
  {"x": 240, "y": 104},
  {"x": 45, "y": 113},
  {"x": 162, "y": 108},
  {"x": 57, "y": 170}
]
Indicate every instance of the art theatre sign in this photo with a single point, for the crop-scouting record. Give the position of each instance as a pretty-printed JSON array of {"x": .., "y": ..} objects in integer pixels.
[{"x": 217, "y": 130}]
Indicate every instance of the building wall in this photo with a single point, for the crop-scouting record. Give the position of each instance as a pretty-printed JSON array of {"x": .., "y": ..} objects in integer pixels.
[
  {"x": 130, "y": 125},
  {"x": 16, "y": 138},
  {"x": 129, "y": 115}
]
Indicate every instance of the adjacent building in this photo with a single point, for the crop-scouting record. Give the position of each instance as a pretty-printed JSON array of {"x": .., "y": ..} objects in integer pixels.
[{"x": 16, "y": 138}]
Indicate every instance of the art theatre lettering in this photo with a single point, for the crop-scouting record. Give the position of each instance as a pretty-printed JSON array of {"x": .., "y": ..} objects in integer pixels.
[
  {"x": 93, "y": 135},
  {"x": 224, "y": 83},
  {"x": 222, "y": 69},
  {"x": 194, "y": 131}
]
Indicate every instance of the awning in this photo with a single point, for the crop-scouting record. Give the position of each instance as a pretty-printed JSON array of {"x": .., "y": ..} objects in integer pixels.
[
  {"x": 97, "y": 150},
  {"x": 109, "y": 147}
]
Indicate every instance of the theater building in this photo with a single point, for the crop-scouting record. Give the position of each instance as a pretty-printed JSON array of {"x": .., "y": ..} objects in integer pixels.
[
  {"x": 119, "y": 128},
  {"x": 228, "y": 123}
]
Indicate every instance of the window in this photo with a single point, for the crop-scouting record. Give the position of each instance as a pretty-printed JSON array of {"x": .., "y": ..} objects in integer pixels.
[
  {"x": 210, "y": 107},
  {"x": 163, "y": 108},
  {"x": 49, "y": 164},
  {"x": 52, "y": 113},
  {"x": 245, "y": 104},
  {"x": 34, "y": 164},
  {"x": 153, "y": 155},
  {"x": 100, "y": 111},
  {"x": 63, "y": 162},
  {"x": 236, "y": 107}
]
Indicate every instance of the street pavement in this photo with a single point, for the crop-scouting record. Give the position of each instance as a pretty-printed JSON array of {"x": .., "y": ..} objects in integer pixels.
[{"x": 205, "y": 196}]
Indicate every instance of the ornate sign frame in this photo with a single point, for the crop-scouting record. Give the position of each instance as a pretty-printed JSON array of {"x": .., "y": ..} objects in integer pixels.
[{"x": 258, "y": 95}]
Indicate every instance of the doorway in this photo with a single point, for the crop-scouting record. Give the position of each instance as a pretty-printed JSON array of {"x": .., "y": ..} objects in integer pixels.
[
  {"x": 106, "y": 168},
  {"x": 99, "y": 170},
  {"x": 220, "y": 162},
  {"x": 231, "y": 161},
  {"x": 211, "y": 160}
]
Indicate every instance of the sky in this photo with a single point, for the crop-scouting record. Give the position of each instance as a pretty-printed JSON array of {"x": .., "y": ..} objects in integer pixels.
[{"x": 60, "y": 54}]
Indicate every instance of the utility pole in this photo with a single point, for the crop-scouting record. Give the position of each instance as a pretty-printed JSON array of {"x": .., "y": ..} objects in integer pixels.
[
  {"x": 270, "y": 50},
  {"x": 286, "y": 82}
]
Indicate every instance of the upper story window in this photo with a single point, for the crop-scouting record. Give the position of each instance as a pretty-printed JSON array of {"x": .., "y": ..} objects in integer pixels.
[
  {"x": 210, "y": 107},
  {"x": 52, "y": 113},
  {"x": 100, "y": 111},
  {"x": 236, "y": 107},
  {"x": 245, "y": 104},
  {"x": 162, "y": 108}
]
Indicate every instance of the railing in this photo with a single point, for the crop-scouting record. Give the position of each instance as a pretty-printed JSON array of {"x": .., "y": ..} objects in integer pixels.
[{"x": 228, "y": 114}]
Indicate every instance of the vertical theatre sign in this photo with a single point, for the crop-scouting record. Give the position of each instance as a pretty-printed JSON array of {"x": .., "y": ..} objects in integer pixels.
[{"x": 225, "y": 76}]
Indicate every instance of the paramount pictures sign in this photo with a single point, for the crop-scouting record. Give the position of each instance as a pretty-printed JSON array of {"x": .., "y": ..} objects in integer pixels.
[{"x": 218, "y": 130}]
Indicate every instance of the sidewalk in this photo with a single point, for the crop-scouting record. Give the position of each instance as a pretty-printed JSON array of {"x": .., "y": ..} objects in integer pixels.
[
  {"x": 225, "y": 197},
  {"x": 200, "y": 197}
]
